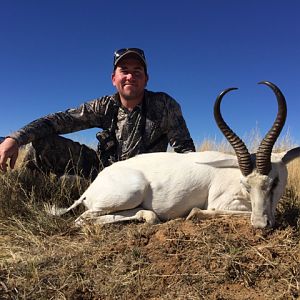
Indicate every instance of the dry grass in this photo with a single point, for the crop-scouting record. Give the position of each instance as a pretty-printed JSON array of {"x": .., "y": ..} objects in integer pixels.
[
  {"x": 225, "y": 258},
  {"x": 252, "y": 141}
]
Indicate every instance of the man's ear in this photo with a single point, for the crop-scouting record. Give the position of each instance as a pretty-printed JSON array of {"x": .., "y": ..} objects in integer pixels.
[
  {"x": 147, "y": 79},
  {"x": 113, "y": 78}
]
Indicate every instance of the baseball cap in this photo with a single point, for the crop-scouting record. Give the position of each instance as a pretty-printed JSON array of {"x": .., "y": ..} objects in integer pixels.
[{"x": 121, "y": 53}]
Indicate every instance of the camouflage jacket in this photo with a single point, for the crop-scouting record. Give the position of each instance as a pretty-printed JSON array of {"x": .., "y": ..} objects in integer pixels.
[{"x": 149, "y": 127}]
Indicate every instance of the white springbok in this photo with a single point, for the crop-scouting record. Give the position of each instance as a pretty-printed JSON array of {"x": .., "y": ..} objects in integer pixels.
[{"x": 163, "y": 186}]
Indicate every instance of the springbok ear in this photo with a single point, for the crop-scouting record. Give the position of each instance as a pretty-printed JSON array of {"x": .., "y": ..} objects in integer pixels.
[
  {"x": 291, "y": 155},
  {"x": 224, "y": 163}
]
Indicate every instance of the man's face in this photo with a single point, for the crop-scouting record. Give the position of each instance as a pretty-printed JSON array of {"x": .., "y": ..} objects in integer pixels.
[{"x": 130, "y": 79}]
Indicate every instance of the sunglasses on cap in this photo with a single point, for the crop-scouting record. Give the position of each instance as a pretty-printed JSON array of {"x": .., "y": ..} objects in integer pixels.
[{"x": 122, "y": 52}]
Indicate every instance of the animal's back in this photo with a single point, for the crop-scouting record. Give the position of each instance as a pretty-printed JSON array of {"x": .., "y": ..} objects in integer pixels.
[{"x": 163, "y": 159}]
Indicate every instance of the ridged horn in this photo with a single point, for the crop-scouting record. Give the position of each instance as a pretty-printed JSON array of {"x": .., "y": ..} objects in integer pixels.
[
  {"x": 263, "y": 155},
  {"x": 241, "y": 151}
]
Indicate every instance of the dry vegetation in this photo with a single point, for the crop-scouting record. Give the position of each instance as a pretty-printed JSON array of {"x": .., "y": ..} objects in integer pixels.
[{"x": 44, "y": 257}]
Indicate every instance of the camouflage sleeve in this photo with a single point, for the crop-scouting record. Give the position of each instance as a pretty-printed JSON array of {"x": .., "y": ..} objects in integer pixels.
[
  {"x": 88, "y": 115},
  {"x": 178, "y": 133}
]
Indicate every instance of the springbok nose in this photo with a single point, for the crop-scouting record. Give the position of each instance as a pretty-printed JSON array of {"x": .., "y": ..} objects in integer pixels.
[{"x": 260, "y": 222}]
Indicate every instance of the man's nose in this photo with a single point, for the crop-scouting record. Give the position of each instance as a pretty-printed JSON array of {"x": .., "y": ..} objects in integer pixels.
[{"x": 130, "y": 76}]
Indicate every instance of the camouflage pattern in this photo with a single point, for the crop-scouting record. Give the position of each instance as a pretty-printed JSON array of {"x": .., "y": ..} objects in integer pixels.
[
  {"x": 62, "y": 156},
  {"x": 149, "y": 127}
]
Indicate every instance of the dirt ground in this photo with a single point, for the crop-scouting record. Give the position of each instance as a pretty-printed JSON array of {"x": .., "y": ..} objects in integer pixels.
[{"x": 223, "y": 258}]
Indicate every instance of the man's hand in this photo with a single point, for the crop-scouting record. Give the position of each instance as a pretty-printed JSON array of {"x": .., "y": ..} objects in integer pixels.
[{"x": 9, "y": 148}]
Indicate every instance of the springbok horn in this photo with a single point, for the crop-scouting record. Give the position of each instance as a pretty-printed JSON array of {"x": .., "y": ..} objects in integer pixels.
[
  {"x": 263, "y": 155},
  {"x": 243, "y": 156}
]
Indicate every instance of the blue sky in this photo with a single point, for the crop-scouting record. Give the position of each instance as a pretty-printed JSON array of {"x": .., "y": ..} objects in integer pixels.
[{"x": 57, "y": 54}]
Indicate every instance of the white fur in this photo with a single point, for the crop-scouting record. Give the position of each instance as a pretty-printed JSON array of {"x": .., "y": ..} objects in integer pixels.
[{"x": 164, "y": 186}]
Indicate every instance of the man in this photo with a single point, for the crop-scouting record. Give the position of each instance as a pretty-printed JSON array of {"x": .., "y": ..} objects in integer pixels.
[{"x": 133, "y": 121}]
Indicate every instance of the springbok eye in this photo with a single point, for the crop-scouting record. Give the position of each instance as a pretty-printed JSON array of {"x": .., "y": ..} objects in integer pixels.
[{"x": 275, "y": 183}]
